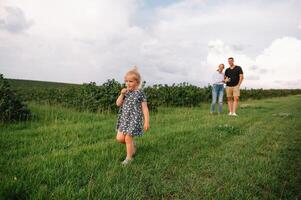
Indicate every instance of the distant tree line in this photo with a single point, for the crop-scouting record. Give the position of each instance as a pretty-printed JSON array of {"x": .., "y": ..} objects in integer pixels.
[{"x": 101, "y": 98}]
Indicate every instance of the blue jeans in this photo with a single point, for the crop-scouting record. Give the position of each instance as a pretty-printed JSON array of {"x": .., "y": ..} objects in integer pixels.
[{"x": 217, "y": 91}]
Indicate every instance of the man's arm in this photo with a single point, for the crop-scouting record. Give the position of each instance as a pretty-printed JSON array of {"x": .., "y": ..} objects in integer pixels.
[{"x": 241, "y": 78}]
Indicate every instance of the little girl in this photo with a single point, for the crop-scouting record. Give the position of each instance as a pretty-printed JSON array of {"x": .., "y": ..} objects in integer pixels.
[{"x": 132, "y": 102}]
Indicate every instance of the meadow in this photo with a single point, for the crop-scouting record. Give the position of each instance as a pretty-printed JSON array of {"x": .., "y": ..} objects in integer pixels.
[{"x": 62, "y": 153}]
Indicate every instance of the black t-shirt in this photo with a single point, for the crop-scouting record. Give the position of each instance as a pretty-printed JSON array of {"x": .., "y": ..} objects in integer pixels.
[{"x": 233, "y": 74}]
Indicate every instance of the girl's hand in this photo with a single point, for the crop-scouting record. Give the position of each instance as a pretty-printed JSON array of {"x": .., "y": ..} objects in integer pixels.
[
  {"x": 146, "y": 126},
  {"x": 123, "y": 91},
  {"x": 120, "y": 98}
]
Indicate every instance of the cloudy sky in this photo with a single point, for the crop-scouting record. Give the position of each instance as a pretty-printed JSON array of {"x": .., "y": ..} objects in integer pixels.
[{"x": 171, "y": 41}]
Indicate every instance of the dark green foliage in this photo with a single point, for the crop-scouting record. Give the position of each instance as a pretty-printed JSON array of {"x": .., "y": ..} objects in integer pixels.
[
  {"x": 86, "y": 97},
  {"x": 99, "y": 98},
  {"x": 182, "y": 94},
  {"x": 91, "y": 97},
  {"x": 267, "y": 93},
  {"x": 11, "y": 106}
]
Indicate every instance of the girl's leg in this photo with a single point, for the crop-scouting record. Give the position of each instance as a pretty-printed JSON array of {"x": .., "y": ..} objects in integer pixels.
[
  {"x": 120, "y": 137},
  {"x": 129, "y": 146}
]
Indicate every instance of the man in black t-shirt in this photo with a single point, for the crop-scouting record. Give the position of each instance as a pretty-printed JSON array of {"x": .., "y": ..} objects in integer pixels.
[{"x": 233, "y": 79}]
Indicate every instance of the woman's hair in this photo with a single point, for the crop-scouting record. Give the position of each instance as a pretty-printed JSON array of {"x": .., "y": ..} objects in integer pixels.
[
  {"x": 220, "y": 65},
  {"x": 135, "y": 74}
]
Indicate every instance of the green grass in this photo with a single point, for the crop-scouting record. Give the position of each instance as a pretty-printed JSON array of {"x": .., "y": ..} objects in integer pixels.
[
  {"x": 30, "y": 84},
  {"x": 187, "y": 154}
]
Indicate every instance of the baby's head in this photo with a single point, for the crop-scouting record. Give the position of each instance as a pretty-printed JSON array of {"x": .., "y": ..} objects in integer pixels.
[{"x": 132, "y": 79}]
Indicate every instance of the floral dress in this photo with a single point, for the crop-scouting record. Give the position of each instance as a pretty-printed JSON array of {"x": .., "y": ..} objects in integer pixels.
[{"x": 130, "y": 115}]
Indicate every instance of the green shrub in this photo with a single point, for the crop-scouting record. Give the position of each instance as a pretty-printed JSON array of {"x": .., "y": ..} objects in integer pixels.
[
  {"x": 102, "y": 98},
  {"x": 11, "y": 106}
]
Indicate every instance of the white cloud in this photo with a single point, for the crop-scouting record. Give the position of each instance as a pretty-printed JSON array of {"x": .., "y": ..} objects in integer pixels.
[
  {"x": 81, "y": 41},
  {"x": 13, "y": 20},
  {"x": 282, "y": 60},
  {"x": 76, "y": 18},
  {"x": 69, "y": 42},
  {"x": 276, "y": 67}
]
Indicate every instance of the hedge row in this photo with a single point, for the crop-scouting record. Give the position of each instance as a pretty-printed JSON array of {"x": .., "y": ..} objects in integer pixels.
[
  {"x": 11, "y": 106},
  {"x": 102, "y": 98}
]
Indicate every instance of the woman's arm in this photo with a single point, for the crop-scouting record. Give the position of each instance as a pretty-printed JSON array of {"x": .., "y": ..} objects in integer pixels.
[
  {"x": 146, "y": 115},
  {"x": 227, "y": 79}
]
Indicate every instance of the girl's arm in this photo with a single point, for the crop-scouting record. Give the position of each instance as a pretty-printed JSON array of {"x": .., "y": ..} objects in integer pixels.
[
  {"x": 146, "y": 115},
  {"x": 119, "y": 100}
]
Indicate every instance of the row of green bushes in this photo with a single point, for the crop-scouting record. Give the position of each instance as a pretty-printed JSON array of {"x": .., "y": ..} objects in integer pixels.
[
  {"x": 101, "y": 98},
  {"x": 11, "y": 106},
  {"x": 90, "y": 97}
]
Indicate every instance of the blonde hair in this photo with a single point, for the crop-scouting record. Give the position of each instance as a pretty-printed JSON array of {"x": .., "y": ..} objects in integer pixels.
[{"x": 135, "y": 74}]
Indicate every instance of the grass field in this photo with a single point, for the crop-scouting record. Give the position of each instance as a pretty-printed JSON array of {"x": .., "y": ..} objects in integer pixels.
[
  {"x": 187, "y": 154},
  {"x": 30, "y": 84}
]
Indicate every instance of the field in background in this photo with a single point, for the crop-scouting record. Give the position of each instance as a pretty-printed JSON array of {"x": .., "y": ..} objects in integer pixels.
[
  {"x": 101, "y": 98},
  {"x": 30, "y": 84},
  {"x": 187, "y": 154}
]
